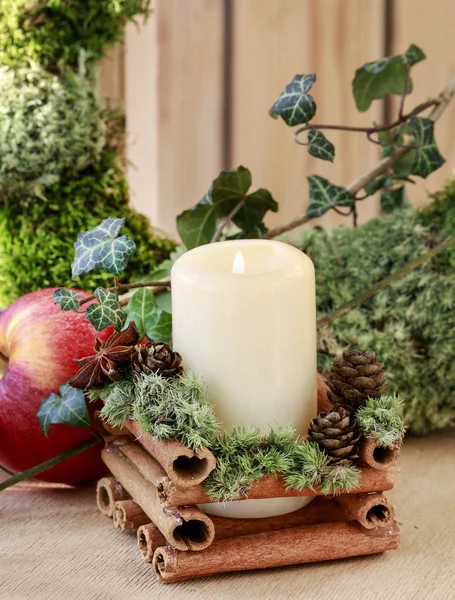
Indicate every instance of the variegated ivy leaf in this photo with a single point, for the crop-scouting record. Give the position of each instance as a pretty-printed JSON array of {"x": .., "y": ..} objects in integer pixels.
[
  {"x": 427, "y": 157},
  {"x": 160, "y": 328},
  {"x": 324, "y": 196},
  {"x": 68, "y": 299},
  {"x": 385, "y": 76},
  {"x": 100, "y": 248},
  {"x": 67, "y": 408},
  {"x": 107, "y": 312},
  {"x": 319, "y": 146},
  {"x": 295, "y": 105},
  {"x": 151, "y": 320}
]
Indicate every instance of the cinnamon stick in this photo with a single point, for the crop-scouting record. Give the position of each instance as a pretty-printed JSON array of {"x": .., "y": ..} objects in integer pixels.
[
  {"x": 372, "y": 480},
  {"x": 309, "y": 543},
  {"x": 108, "y": 492},
  {"x": 185, "y": 467},
  {"x": 370, "y": 510},
  {"x": 185, "y": 529},
  {"x": 129, "y": 515},
  {"x": 149, "y": 538},
  {"x": 378, "y": 457}
]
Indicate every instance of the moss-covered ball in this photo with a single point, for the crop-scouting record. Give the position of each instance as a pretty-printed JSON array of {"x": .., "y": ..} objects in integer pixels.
[
  {"x": 410, "y": 324},
  {"x": 58, "y": 33},
  {"x": 37, "y": 237},
  {"x": 49, "y": 126}
]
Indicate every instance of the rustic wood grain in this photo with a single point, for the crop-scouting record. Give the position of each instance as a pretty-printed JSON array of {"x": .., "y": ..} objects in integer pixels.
[
  {"x": 174, "y": 106},
  {"x": 274, "y": 41}
]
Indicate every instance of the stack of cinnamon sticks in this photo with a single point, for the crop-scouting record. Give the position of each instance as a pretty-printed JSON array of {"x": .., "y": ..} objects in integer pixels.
[{"x": 156, "y": 486}]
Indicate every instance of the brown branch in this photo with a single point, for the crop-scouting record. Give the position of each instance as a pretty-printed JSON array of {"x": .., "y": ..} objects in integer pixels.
[
  {"x": 403, "y": 95},
  {"x": 387, "y": 281},
  {"x": 227, "y": 220},
  {"x": 368, "y": 130},
  {"x": 130, "y": 286},
  {"x": 440, "y": 104}
]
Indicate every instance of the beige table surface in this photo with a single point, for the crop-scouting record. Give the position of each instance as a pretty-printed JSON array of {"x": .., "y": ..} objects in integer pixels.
[{"x": 55, "y": 545}]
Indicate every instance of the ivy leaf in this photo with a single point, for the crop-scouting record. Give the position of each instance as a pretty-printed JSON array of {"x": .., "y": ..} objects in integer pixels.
[
  {"x": 160, "y": 328},
  {"x": 392, "y": 200},
  {"x": 295, "y": 106},
  {"x": 100, "y": 248},
  {"x": 257, "y": 232},
  {"x": 198, "y": 225},
  {"x": 427, "y": 157},
  {"x": 319, "y": 146},
  {"x": 164, "y": 301},
  {"x": 140, "y": 309},
  {"x": 253, "y": 211},
  {"x": 385, "y": 76},
  {"x": 377, "y": 184},
  {"x": 324, "y": 196},
  {"x": 107, "y": 312},
  {"x": 67, "y": 408},
  {"x": 68, "y": 299}
]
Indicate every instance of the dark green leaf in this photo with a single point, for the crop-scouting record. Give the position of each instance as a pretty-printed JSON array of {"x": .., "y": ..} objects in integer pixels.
[
  {"x": 100, "y": 248},
  {"x": 141, "y": 309},
  {"x": 68, "y": 408},
  {"x": 427, "y": 157},
  {"x": 392, "y": 200},
  {"x": 107, "y": 312},
  {"x": 253, "y": 211},
  {"x": 319, "y": 146},
  {"x": 324, "y": 196},
  {"x": 198, "y": 225},
  {"x": 295, "y": 106},
  {"x": 377, "y": 184},
  {"x": 68, "y": 299},
  {"x": 384, "y": 76},
  {"x": 257, "y": 232}
]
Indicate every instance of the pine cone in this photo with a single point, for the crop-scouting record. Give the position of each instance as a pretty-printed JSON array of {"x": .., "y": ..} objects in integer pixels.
[
  {"x": 354, "y": 378},
  {"x": 336, "y": 432},
  {"x": 157, "y": 357}
]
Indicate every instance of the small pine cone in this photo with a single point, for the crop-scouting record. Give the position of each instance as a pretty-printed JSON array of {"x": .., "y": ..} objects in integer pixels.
[
  {"x": 354, "y": 378},
  {"x": 157, "y": 357},
  {"x": 336, "y": 433}
]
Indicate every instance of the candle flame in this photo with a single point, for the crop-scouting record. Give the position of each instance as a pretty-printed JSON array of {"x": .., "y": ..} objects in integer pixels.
[{"x": 239, "y": 263}]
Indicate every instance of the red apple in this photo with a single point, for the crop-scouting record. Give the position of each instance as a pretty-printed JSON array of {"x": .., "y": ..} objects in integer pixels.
[{"x": 41, "y": 342}]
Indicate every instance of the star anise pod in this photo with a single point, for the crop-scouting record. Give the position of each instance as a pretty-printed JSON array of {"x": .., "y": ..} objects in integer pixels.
[{"x": 107, "y": 362}]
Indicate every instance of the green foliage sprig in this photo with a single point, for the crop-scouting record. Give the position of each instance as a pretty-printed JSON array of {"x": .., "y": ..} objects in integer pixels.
[
  {"x": 175, "y": 409},
  {"x": 381, "y": 419},
  {"x": 408, "y": 142}
]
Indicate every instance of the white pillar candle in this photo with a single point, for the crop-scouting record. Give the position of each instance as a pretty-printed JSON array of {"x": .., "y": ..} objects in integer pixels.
[{"x": 244, "y": 318}]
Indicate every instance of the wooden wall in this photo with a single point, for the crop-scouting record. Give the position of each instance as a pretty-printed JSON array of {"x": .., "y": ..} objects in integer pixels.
[{"x": 199, "y": 76}]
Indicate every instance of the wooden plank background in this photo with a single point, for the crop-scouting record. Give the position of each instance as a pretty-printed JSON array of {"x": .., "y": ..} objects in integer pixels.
[{"x": 199, "y": 77}]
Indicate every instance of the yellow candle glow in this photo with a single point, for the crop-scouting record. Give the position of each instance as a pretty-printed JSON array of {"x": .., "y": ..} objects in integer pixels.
[{"x": 244, "y": 318}]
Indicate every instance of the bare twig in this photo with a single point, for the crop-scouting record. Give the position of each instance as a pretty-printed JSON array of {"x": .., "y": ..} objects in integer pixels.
[
  {"x": 439, "y": 103},
  {"x": 368, "y": 130},
  {"x": 7, "y": 471},
  {"x": 224, "y": 222},
  {"x": 34, "y": 471},
  {"x": 403, "y": 95},
  {"x": 387, "y": 281},
  {"x": 130, "y": 286}
]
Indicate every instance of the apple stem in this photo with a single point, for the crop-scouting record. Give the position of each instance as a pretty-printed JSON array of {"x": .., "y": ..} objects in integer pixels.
[
  {"x": 34, "y": 471},
  {"x": 3, "y": 358},
  {"x": 7, "y": 471}
]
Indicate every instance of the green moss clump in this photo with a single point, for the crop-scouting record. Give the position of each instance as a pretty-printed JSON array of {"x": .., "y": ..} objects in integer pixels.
[
  {"x": 37, "y": 237},
  {"x": 409, "y": 324},
  {"x": 49, "y": 126},
  {"x": 58, "y": 32}
]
